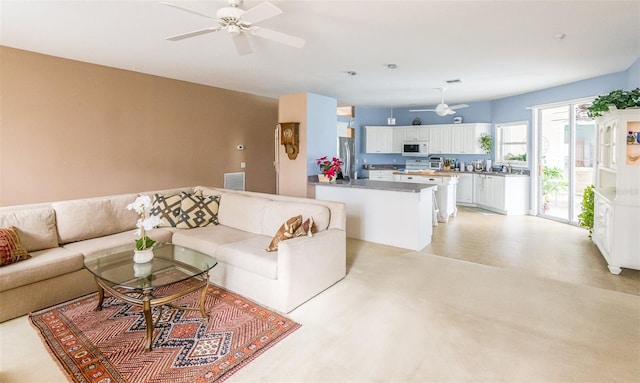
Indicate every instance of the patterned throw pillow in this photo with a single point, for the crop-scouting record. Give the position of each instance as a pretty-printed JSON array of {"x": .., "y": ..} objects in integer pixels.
[
  {"x": 11, "y": 251},
  {"x": 285, "y": 232},
  {"x": 198, "y": 211},
  {"x": 167, "y": 208},
  {"x": 307, "y": 228}
]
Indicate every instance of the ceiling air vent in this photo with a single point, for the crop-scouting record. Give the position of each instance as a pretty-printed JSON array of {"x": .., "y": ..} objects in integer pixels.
[{"x": 234, "y": 181}]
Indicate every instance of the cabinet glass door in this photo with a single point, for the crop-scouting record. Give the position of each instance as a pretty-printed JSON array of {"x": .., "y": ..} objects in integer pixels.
[{"x": 567, "y": 143}]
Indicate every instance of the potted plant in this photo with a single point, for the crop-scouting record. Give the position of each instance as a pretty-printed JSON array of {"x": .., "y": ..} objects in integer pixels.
[
  {"x": 585, "y": 218},
  {"x": 486, "y": 143},
  {"x": 620, "y": 99},
  {"x": 329, "y": 168},
  {"x": 144, "y": 244}
]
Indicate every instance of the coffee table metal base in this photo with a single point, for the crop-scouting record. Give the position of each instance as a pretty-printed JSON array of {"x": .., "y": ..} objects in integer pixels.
[{"x": 144, "y": 298}]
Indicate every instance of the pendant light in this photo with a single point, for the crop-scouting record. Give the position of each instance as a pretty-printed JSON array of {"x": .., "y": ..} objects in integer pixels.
[{"x": 391, "y": 120}]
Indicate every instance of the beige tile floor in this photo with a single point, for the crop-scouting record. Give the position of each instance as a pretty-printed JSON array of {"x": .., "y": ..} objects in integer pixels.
[{"x": 510, "y": 299}]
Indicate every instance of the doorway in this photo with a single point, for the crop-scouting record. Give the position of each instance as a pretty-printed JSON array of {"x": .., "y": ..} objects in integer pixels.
[{"x": 567, "y": 143}]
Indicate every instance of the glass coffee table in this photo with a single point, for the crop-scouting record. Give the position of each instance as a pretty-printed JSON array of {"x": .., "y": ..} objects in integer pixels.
[{"x": 146, "y": 284}]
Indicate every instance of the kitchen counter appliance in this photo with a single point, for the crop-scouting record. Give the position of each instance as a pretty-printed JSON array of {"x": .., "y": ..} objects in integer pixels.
[
  {"x": 435, "y": 163},
  {"x": 415, "y": 149}
]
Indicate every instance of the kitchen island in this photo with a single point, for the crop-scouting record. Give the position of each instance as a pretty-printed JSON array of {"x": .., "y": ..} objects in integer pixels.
[{"x": 392, "y": 213}]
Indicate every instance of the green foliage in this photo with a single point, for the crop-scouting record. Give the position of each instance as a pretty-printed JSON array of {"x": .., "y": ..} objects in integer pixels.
[
  {"x": 621, "y": 99},
  {"x": 585, "y": 218},
  {"x": 516, "y": 157},
  {"x": 486, "y": 143},
  {"x": 144, "y": 243},
  {"x": 552, "y": 180}
]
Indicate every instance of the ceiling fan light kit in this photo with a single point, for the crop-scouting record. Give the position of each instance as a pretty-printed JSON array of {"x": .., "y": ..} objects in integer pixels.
[
  {"x": 442, "y": 109},
  {"x": 239, "y": 23}
]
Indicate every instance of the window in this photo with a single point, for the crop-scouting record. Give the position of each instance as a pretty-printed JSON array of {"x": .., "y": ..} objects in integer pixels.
[{"x": 511, "y": 143}]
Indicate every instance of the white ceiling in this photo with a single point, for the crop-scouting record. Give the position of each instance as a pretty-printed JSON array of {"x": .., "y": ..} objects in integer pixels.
[{"x": 497, "y": 48}]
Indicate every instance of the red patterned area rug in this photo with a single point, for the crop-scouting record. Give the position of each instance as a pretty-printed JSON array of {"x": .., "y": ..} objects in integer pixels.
[{"x": 108, "y": 345}]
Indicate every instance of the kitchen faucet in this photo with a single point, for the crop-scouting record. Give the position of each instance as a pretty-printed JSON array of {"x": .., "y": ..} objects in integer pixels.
[{"x": 509, "y": 168}]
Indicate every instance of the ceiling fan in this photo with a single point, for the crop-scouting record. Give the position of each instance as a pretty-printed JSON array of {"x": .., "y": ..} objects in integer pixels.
[
  {"x": 442, "y": 109},
  {"x": 239, "y": 22}
]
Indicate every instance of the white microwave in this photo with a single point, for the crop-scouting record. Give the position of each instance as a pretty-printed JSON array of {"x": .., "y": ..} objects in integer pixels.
[{"x": 415, "y": 148}]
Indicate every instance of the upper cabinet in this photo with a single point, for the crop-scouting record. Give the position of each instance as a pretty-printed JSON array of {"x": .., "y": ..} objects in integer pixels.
[
  {"x": 618, "y": 165},
  {"x": 379, "y": 139},
  {"x": 443, "y": 139}
]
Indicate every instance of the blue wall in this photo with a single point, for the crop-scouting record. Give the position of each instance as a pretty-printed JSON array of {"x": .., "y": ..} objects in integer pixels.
[
  {"x": 321, "y": 129},
  {"x": 509, "y": 109}
]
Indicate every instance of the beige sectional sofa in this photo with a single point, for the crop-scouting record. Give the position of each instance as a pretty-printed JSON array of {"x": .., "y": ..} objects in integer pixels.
[{"x": 60, "y": 235}]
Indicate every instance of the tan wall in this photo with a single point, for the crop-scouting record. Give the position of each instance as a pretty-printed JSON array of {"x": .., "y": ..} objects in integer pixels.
[
  {"x": 72, "y": 130},
  {"x": 292, "y": 177}
]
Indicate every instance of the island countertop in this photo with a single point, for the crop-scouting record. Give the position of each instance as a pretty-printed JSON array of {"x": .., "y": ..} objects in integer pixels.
[{"x": 374, "y": 185}]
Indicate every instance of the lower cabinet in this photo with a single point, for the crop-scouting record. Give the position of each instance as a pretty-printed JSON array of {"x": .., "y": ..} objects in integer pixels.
[
  {"x": 465, "y": 189},
  {"x": 502, "y": 194},
  {"x": 379, "y": 175},
  {"x": 445, "y": 194},
  {"x": 615, "y": 230}
]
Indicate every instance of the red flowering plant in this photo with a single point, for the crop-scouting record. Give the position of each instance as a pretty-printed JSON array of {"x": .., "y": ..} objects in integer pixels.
[{"x": 329, "y": 168}]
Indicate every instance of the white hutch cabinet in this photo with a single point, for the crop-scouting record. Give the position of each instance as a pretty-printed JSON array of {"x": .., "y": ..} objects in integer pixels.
[{"x": 616, "y": 226}]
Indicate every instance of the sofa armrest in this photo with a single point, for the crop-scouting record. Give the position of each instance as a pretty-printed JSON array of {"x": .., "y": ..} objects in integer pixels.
[{"x": 307, "y": 266}]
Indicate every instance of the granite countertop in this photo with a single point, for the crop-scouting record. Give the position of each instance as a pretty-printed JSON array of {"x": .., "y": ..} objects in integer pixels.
[
  {"x": 501, "y": 174},
  {"x": 376, "y": 185},
  {"x": 436, "y": 174}
]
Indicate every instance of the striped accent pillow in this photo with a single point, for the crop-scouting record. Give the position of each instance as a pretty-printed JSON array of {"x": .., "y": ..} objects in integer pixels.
[
  {"x": 286, "y": 231},
  {"x": 11, "y": 250},
  {"x": 198, "y": 211}
]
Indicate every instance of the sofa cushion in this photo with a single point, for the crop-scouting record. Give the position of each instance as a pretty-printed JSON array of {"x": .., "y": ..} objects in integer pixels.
[
  {"x": 11, "y": 250},
  {"x": 277, "y": 212},
  {"x": 96, "y": 217},
  {"x": 249, "y": 255},
  {"x": 198, "y": 211},
  {"x": 167, "y": 208},
  {"x": 207, "y": 239},
  {"x": 36, "y": 227},
  {"x": 44, "y": 264},
  {"x": 285, "y": 232},
  {"x": 94, "y": 246},
  {"x": 244, "y": 213}
]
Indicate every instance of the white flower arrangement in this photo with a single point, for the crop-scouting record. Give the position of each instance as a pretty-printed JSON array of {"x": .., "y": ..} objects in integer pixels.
[{"x": 141, "y": 205}]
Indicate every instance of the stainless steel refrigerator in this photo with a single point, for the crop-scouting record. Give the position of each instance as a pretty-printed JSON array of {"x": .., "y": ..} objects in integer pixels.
[{"x": 347, "y": 153}]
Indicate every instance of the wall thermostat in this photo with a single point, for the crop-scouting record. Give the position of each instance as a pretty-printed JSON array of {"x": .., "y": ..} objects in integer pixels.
[{"x": 240, "y": 147}]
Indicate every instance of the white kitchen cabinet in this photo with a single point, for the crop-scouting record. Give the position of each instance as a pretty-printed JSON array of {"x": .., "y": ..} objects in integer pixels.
[
  {"x": 502, "y": 194},
  {"x": 397, "y": 139},
  {"x": 440, "y": 139},
  {"x": 465, "y": 138},
  {"x": 457, "y": 138},
  {"x": 465, "y": 188},
  {"x": 617, "y": 193},
  {"x": 445, "y": 194},
  {"x": 378, "y": 139},
  {"x": 602, "y": 228},
  {"x": 380, "y": 175}
]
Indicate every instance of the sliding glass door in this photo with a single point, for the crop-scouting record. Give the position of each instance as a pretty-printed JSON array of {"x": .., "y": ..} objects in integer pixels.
[{"x": 567, "y": 139}]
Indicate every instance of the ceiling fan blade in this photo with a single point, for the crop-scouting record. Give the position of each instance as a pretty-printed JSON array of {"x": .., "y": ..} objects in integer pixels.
[
  {"x": 186, "y": 10},
  {"x": 241, "y": 41},
  {"x": 199, "y": 32},
  {"x": 280, "y": 37},
  {"x": 422, "y": 110},
  {"x": 260, "y": 12},
  {"x": 459, "y": 106}
]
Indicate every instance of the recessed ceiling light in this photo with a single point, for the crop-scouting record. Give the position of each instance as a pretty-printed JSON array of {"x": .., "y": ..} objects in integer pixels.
[
  {"x": 454, "y": 81},
  {"x": 351, "y": 73},
  {"x": 391, "y": 66}
]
